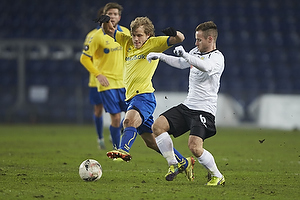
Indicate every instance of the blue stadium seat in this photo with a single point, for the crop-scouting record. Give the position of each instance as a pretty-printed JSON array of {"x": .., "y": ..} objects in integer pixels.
[
  {"x": 8, "y": 72},
  {"x": 8, "y": 96}
]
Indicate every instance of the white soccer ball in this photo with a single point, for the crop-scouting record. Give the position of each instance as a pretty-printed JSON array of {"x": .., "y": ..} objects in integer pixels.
[{"x": 90, "y": 170}]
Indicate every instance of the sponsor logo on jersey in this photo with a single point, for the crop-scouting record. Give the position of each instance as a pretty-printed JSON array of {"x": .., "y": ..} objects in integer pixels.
[
  {"x": 107, "y": 50},
  {"x": 135, "y": 57}
]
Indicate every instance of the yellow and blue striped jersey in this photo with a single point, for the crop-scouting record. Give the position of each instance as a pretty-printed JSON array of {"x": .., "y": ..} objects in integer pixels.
[
  {"x": 108, "y": 58},
  {"x": 138, "y": 71}
]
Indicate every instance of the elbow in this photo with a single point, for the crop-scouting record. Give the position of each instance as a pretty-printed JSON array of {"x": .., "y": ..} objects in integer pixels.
[
  {"x": 177, "y": 39},
  {"x": 180, "y": 36}
]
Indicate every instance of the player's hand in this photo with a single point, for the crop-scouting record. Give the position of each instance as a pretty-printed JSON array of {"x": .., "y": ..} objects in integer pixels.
[
  {"x": 170, "y": 31},
  {"x": 179, "y": 51},
  {"x": 103, "y": 80},
  {"x": 102, "y": 19},
  {"x": 153, "y": 56}
]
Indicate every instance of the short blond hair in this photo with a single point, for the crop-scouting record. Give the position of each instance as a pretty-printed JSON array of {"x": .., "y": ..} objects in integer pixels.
[{"x": 145, "y": 22}]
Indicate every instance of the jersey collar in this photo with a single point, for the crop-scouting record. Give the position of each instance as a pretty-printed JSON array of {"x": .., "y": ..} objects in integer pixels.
[
  {"x": 118, "y": 28},
  {"x": 200, "y": 53}
]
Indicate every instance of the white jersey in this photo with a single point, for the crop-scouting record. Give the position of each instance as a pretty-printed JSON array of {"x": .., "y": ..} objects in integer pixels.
[{"x": 204, "y": 86}]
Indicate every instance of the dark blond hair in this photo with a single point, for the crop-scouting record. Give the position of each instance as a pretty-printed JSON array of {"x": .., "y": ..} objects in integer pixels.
[
  {"x": 112, "y": 5},
  {"x": 144, "y": 22},
  {"x": 209, "y": 29}
]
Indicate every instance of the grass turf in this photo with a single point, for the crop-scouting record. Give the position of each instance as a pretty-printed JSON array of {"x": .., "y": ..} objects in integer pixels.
[{"x": 41, "y": 162}]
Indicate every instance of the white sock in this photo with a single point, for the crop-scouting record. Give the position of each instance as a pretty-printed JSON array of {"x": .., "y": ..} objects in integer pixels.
[
  {"x": 208, "y": 161},
  {"x": 165, "y": 145}
]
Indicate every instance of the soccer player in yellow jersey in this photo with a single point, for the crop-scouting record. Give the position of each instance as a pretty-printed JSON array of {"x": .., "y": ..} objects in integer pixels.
[
  {"x": 94, "y": 94},
  {"x": 107, "y": 67},
  {"x": 138, "y": 73}
]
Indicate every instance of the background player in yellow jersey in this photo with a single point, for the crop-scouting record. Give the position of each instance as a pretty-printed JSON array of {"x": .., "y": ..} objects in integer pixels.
[
  {"x": 94, "y": 94},
  {"x": 138, "y": 73},
  {"x": 107, "y": 67}
]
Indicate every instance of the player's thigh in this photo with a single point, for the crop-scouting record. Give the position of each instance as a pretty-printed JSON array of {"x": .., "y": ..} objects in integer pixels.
[
  {"x": 177, "y": 121},
  {"x": 203, "y": 125}
]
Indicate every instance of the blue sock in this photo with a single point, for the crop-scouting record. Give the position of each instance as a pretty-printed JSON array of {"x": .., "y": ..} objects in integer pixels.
[
  {"x": 99, "y": 126},
  {"x": 128, "y": 138},
  {"x": 180, "y": 158},
  {"x": 115, "y": 136}
]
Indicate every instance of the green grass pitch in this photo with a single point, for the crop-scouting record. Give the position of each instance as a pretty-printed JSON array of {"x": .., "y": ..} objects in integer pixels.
[{"x": 41, "y": 162}]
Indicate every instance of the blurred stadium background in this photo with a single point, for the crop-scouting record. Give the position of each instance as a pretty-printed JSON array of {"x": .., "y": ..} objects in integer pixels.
[{"x": 42, "y": 80}]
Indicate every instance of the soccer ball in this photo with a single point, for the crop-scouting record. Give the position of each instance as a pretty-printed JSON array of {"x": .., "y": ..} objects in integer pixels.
[{"x": 90, "y": 170}]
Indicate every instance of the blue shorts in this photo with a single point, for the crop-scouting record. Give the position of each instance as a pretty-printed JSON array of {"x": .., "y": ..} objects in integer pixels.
[
  {"x": 145, "y": 104},
  {"x": 113, "y": 100},
  {"x": 94, "y": 96}
]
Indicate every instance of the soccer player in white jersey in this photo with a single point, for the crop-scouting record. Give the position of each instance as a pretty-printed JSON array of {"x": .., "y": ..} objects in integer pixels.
[
  {"x": 197, "y": 113},
  {"x": 138, "y": 73}
]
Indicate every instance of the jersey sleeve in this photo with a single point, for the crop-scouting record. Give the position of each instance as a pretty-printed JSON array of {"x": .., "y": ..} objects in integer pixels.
[
  {"x": 217, "y": 59},
  {"x": 89, "y": 50},
  {"x": 87, "y": 41},
  {"x": 121, "y": 38},
  {"x": 93, "y": 45},
  {"x": 159, "y": 44}
]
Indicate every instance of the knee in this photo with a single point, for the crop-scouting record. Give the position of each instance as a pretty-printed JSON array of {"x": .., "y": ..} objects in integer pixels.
[
  {"x": 156, "y": 129},
  {"x": 115, "y": 120},
  {"x": 196, "y": 150},
  {"x": 160, "y": 126},
  {"x": 98, "y": 110},
  {"x": 127, "y": 122}
]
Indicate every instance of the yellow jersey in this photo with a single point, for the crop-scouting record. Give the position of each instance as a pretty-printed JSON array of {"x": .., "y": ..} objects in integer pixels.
[
  {"x": 138, "y": 71},
  {"x": 108, "y": 58}
]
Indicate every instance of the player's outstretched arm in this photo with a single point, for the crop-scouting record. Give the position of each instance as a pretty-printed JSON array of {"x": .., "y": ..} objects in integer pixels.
[
  {"x": 173, "y": 61},
  {"x": 175, "y": 36},
  {"x": 202, "y": 65}
]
